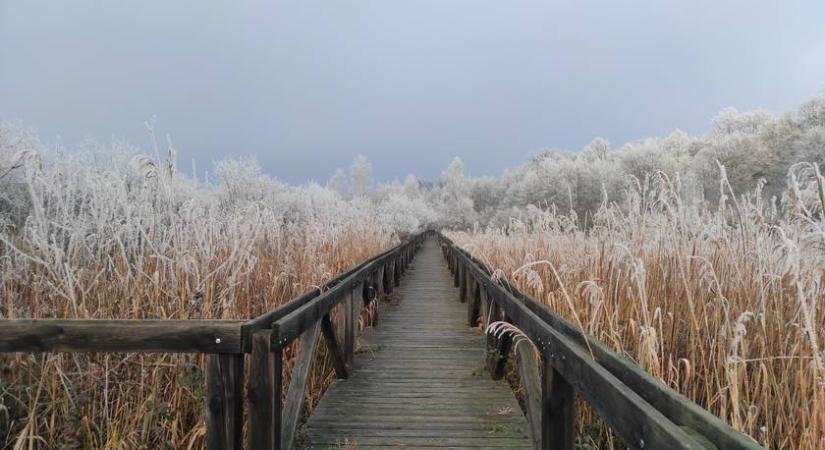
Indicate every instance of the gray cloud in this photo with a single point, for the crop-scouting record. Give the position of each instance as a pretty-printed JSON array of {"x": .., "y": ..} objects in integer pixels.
[{"x": 307, "y": 85}]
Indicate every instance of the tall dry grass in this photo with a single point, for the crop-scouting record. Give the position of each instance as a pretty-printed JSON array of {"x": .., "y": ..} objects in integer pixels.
[
  {"x": 134, "y": 240},
  {"x": 724, "y": 304}
]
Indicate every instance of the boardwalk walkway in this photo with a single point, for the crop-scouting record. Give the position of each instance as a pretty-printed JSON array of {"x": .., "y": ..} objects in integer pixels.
[{"x": 418, "y": 379}]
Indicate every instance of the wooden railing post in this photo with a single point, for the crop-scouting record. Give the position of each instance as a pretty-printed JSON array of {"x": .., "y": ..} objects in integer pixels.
[
  {"x": 375, "y": 297},
  {"x": 462, "y": 285},
  {"x": 352, "y": 310},
  {"x": 528, "y": 367},
  {"x": 558, "y": 409},
  {"x": 456, "y": 271},
  {"x": 474, "y": 304},
  {"x": 224, "y": 401},
  {"x": 388, "y": 277},
  {"x": 498, "y": 348},
  {"x": 379, "y": 284},
  {"x": 264, "y": 392}
]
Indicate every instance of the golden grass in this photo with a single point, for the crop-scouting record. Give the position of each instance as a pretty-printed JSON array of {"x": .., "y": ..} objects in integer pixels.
[
  {"x": 136, "y": 401},
  {"x": 727, "y": 306}
]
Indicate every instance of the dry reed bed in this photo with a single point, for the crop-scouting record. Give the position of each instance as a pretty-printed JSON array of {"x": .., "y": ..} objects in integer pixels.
[
  {"x": 103, "y": 244},
  {"x": 727, "y": 306},
  {"x": 152, "y": 401}
]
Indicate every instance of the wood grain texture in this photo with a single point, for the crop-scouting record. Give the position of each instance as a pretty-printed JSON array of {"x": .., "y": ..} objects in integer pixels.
[
  {"x": 558, "y": 410},
  {"x": 224, "y": 402},
  {"x": 528, "y": 368},
  {"x": 262, "y": 407},
  {"x": 90, "y": 335},
  {"x": 294, "y": 403},
  {"x": 418, "y": 379}
]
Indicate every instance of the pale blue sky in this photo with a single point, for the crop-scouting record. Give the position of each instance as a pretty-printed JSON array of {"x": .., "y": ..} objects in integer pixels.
[{"x": 306, "y": 85}]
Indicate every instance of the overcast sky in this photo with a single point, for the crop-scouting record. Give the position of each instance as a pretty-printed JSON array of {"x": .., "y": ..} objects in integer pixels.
[{"x": 307, "y": 85}]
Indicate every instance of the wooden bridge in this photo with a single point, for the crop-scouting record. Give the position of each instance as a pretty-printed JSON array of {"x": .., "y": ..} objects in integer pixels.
[
  {"x": 428, "y": 373},
  {"x": 418, "y": 377}
]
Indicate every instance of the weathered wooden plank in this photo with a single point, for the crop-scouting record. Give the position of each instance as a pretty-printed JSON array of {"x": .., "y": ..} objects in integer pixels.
[
  {"x": 422, "y": 442},
  {"x": 89, "y": 335},
  {"x": 294, "y": 402},
  {"x": 224, "y": 401}
]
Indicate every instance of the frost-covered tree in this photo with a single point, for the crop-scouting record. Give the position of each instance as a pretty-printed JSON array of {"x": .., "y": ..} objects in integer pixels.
[
  {"x": 597, "y": 150},
  {"x": 412, "y": 187},
  {"x": 453, "y": 198},
  {"x": 338, "y": 182},
  {"x": 19, "y": 147},
  {"x": 360, "y": 172}
]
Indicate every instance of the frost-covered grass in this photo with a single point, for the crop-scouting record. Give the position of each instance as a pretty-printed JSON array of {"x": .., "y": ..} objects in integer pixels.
[
  {"x": 726, "y": 304},
  {"x": 114, "y": 235},
  {"x": 645, "y": 246}
]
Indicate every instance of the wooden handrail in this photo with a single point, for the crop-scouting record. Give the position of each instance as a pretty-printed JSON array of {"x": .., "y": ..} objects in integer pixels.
[
  {"x": 265, "y": 320},
  {"x": 90, "y": 335},
  {"x": 642, "y": 411}
]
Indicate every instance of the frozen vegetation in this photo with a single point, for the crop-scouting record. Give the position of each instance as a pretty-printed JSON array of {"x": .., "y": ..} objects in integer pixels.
[{"x": 701, "y": 257}]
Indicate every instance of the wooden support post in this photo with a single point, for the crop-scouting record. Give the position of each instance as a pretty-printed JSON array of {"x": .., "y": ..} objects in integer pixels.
[
  {"x": 357, "y": 306},
  {"x": 377, "y": 312},
  {"x": 528, "y": 367},
  {"x": 456, "y": 272},
  {"x": 397, "y": 272},
  {"x": 462, "y": 286},
  {"x": 335, "y": 350},
  {"x": 388, "y": 277},
  {"x": 224, "y": 401},
  {"x": 278, "y": 383},
  {"x": 498, "y": 349},
  {"x": 558, "y": 409},
  {"x": 293, "y": 405},
  {"x": 366, "y": 293},
  {"x": 264, "y": 392},
  {"x": 351, "y": 310},
  {"x": 473, "y": 306},
  {"x": 379, "y": 284},
  {"x": 484, "y": 309},
  {"x": 376, "y": 296}
]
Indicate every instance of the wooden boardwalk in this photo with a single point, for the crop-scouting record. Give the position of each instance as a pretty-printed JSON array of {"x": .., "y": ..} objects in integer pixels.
[{"x": 418, "y": 380}]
